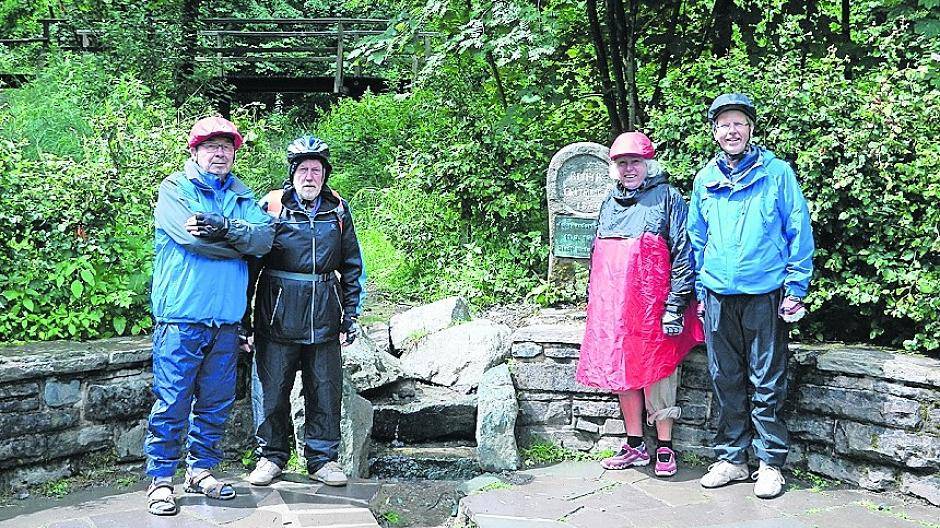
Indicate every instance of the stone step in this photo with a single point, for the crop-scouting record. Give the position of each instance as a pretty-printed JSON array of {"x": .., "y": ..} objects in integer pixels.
[
  {"x": 448, "y": 461},
  {"x": 433, "y": 413}
]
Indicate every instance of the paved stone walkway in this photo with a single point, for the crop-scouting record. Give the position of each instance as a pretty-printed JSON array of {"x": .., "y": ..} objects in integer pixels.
[
  {"x": 566, "y": 495},
  {"x": 583, "y": 495},
  {"x": 297, "y": 503}
]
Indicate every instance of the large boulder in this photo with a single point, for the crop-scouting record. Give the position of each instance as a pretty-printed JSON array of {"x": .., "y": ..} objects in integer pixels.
[
  {"x": 368, "y": 366},
  {"x": 458, "y": 356},
  {"x": 496, "y": 421},
  {"x": 435, "y": 412},
  {"x": 409, "y": 327},
  {"x": 355, "y": 426}
]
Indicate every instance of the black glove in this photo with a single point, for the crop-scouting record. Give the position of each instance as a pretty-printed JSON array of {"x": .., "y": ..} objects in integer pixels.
[
  {"x": 672, "y": 321},
  {"x": 350, "y": 327},
  {"x": 212, "y": 226}
]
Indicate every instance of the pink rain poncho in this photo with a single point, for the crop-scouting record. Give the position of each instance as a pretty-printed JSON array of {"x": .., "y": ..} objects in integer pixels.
[{"x": 632, "y": 279}]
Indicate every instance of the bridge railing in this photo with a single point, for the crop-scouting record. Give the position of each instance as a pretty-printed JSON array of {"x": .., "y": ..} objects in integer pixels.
[
  {"x": 239, "y": 41},
  {"x": 236, "y": 43}
]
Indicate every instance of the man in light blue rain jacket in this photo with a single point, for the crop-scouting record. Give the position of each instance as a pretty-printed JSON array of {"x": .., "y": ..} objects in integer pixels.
[
  {"x": 753, "y": 250},
  {"x": 207, "y": 221}
]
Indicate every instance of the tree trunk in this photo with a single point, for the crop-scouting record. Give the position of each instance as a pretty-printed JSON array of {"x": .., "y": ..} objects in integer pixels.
[
  {"x": 666, "y": 55},
  {"x": 722, "y": 16},
  {"x": 600, "y": 55},
  {"x": 617, "y": 35},
  {"x": 499, "y": 81},
  {"x": 184, "y": 71},
  {"x": 635, "y": 114},
  {"x": 846, "y": 35}
]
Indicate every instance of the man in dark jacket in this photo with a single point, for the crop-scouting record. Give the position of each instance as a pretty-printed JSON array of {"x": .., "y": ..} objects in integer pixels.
[
  {"x": 207, "y": 221},
  {"x": 306, "y": 303}
]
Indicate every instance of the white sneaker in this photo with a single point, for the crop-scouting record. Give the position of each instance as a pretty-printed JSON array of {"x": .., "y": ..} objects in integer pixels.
[
  {"x": 723, "y": 472},
  {"x": 264, "y": 473},
  {"x": 769, "y": 481},
  {"x": 331, "y": 474}
]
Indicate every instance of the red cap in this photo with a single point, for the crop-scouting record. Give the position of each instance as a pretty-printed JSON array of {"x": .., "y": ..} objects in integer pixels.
[
  {"x": 209, "y": 127},
  {"x": 632, "y": 144}
]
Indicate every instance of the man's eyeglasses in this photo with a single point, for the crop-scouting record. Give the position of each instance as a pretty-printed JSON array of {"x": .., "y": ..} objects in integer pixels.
[
  {"x": 724, "y": 127},
  {"x": 218, "y": 147}
]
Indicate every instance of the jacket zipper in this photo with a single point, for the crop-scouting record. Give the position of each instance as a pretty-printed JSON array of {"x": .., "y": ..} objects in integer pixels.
[
  {"x": 277, "y": 302},
  {"x": 313, "y": 285}
]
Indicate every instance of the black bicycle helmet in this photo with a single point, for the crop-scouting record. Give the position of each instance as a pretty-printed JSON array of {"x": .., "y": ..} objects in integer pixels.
[
  {"x": 308, "y": 147},
  {"x": 732, "y": 101}
]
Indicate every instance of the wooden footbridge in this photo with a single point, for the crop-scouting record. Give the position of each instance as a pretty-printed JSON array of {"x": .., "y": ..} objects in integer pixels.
[{"x": 282, "y": 55}]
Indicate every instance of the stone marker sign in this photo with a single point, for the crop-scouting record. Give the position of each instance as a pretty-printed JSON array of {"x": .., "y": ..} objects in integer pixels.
[{"x": 578, "y": 182}]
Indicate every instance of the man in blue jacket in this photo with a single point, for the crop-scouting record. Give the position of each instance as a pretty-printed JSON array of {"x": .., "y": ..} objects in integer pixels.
[
  {"x": 753, "y": 249},
  {"x": 207, "y": 221}
]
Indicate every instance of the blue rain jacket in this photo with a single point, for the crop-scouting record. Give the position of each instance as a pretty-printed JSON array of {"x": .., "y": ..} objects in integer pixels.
[
  {"x": 750, "y": 228},
  {"x": 196, "y": 281}
]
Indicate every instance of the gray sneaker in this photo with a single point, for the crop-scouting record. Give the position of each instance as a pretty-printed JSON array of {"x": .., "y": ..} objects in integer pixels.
[
  {"x": 264, "y": 473},
  {"x": 331, "y": 474}
]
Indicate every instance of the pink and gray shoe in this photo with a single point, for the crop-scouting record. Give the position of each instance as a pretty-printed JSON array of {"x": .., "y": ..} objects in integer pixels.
[
  {"x": 627, "y": 457},
  {"x": 669, "y": 467}
]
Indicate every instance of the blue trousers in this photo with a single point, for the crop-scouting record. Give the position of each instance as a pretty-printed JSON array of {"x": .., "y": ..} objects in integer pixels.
[
  {"x": 194, "y": 387},
  {"x": 276, "y": 365},
  {"x": 747, "y": 345}
]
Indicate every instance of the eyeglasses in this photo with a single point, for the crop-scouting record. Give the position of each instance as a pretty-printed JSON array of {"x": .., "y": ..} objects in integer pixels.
[
  {"x": 724, "y": 127},
  {"x": 218, "y": 147}
]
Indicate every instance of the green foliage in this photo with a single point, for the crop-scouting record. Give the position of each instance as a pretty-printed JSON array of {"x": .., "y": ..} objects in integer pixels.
[
  {"x": 56, "y": 488},
  {"x": 541, "y": 451},
  {"x": 493, "y": 486}
]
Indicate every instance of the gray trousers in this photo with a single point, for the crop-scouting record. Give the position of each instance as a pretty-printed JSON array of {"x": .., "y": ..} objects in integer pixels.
[{"x": 747, "y": 345}]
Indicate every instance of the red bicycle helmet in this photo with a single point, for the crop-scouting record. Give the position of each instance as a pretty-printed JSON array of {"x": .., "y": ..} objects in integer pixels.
[
  {"x": 632, "y": 144},
  {"x": 210, "y": 127}
]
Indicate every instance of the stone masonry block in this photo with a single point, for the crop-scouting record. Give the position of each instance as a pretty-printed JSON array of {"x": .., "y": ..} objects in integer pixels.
[
  {"x": 44, "y": 422},
  {"x": 570, "y": 333},
  {"x": 544, "y": 412},
  {"x": 812, "y": 427},
  {"x": 865, "y": 406},
  {"x": 15, "y": 451},
  {"x": 16, "y": 406},
  {"x": 612, "y": 426},
  {"x": 871, "y": 477},
  {"x": 79, "y": 441},
  {"x": 18, "y": 390},
  {"x": 566, "y": 437},
  {"x": 695, "y": 371},
  {"x": 587, "y": 426},
  {"x": 59, "y": 393},
  {"x": 548, "y": 376},
  {"x": 562, "y": 351},
  {"x": 881, "y": 364},
  {"x": 927, "y": 487},
  {"x": 889, "y": 446},
  {"x": 526, "y": 350},
  {"x": 599, "y": 409},
  {"x": 131, "y": 399}
]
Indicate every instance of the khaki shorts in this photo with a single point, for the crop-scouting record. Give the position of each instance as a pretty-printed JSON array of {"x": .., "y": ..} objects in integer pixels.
[{"x": 661, "y": 398}]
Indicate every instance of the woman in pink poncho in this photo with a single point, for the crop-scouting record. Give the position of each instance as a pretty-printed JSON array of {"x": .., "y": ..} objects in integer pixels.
[{"x": 640, "y": 324}]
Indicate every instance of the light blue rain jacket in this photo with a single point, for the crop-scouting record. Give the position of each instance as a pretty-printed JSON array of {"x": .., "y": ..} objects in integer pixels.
[
  {"x": 750, "y": 230},
  {"x": 196, "y": 281}
]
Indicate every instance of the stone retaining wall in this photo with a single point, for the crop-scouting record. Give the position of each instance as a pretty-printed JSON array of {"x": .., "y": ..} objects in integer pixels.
[
  {"x": 63, "y": 401},
  {"x": 865, "y": 416}
]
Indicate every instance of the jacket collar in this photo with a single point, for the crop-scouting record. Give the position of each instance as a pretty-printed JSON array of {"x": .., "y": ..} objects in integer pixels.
[
  {"x": 291, "y": 200},
  {"x": 626, "y": 196},
  {"x": 748, "y": 172},
  {"x": 198, "y": 177}
]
